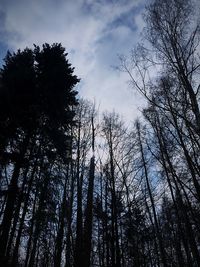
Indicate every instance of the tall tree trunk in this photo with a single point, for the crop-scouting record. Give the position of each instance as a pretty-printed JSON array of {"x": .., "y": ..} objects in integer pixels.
[
  {"x": 17, "y": 213},
  {"x": 162, "y": 251},
  {"x": 59, "y": 238},
  {"x": 38, "y": 225},
  {"x": 79, "y": 221},
  {"x": 87, "y": 238},
  {"x": 115, "y": 234},
  {"x": 28, "y": 250},
  {"x": 11, "y": 200},
  {"x": 107, "y": 234},
  {"x": 68, "y": 262},
  {"x": 26, "y": 202}
]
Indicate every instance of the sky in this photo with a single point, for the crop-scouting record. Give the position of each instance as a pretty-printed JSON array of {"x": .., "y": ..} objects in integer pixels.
[{"x": 94, "y": 33}]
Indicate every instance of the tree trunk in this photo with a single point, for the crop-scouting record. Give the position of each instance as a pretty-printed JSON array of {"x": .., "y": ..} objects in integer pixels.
[
  {"x": 87, "y": 238},
  {"x": 162, "y": 251},
  {"x": 59, "y": 238},
  {"x": 11, "y": 200}
]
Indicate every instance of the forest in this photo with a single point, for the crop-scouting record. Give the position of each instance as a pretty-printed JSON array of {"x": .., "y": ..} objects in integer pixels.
[{"x": 84, "y": 188}]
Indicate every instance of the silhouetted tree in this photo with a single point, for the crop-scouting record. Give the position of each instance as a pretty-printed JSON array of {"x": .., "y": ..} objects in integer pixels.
[{"x": 37, "y": 89}]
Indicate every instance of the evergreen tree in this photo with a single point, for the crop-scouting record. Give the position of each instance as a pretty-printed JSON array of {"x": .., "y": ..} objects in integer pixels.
[{"x": 37, "y": 99}]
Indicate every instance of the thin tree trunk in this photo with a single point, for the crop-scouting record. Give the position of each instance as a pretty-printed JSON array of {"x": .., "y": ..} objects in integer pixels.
[
  {"x": 11, "y": 200},
  {"x": 79, "y": 221},
  {"x": 26, "y": 202},
  {"x": 69, "y": 220},
  {"x": 162, "y": 251},
  {"x": 60, "y": 234},
  {"x": 87, "y": 238},
  {"x": 31, "y": 230},
  {"x": 38, "y": 225},
  {"x": 17, "y": 214}
]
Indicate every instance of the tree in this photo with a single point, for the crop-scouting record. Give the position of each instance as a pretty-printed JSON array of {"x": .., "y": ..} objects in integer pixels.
[
  {"x": 173, "y": 31},
  {"x": 37, "y": 89}
]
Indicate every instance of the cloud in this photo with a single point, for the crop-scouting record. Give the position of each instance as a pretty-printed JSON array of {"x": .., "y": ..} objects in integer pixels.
[{"x": 93, "y": 32}]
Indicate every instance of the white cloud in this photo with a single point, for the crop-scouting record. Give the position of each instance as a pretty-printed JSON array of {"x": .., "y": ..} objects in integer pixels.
[{"x": 88, "y": 31}]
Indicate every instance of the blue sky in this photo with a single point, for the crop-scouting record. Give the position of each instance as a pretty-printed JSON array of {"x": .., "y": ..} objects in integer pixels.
[{"x": 94, "y": 33}]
